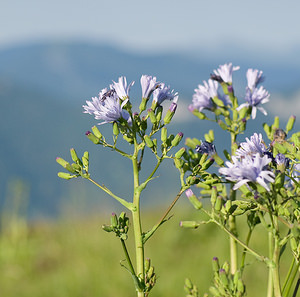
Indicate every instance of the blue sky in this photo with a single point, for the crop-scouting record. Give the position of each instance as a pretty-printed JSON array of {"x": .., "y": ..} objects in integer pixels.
[{"x": 157, "y": 25}]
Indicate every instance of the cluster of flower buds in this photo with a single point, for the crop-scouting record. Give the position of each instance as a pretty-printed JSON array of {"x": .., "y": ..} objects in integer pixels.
[
  {"x": 118, "y": 225},
  {"x": 226, "y": 284},
  {"x": 150, "y": 277},
  {"x": 80, "y": 167},
  {"x": 191, "y": 289}
]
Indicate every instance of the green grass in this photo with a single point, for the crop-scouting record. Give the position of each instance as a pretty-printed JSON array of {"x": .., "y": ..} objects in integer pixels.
[{"x": 75, "y": 258}]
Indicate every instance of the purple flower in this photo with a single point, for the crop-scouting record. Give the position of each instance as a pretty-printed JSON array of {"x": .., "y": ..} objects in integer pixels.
[
  {"x": 106, "y": 107},
  {"x": 248, "y": 169},
  {"x": 225, "y": 72},
  {"x": 254, "y": 77},
  {"x": 121, "y": 87},
  {"x": 296, "y": 173},
  {"x": 148, "y": 84},
  {"x": 251, "y": 147},
  {"x": 163, "y": 93},
  {"x": 254, "y": 98},
  {"x": 206, "y": 148}
]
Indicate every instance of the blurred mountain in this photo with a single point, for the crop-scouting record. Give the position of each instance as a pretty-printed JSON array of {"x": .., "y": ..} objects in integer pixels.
[{"x": 42, "y": 89}]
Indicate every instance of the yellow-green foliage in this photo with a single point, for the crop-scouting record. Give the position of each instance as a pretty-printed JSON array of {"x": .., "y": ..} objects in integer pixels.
[{"x": 76, "y": 258}]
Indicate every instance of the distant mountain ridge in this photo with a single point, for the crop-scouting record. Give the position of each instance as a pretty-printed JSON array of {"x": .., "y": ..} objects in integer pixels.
[{"x": 42, "y": 89}]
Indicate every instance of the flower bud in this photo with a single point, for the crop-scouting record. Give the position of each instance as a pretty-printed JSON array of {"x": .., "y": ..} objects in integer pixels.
[
  {"x": 207, "y": 163},
  {"x": 177, "y": 139},
  {"x": 92, "y": 137},
  {"x": 192, "y": 143},
  {"x": 222, "y": 125},
  {"x": 114, "y": 220},
  {"x": 163, "y": 134},
  {"x": 214, "y": 194},
  {"x": 276, "y": 123},
  {"x": 170, "y": 113},
  {"x": 290, "y": 124},
  {"x": 65, "y": 175},
  {"x": 198, "y": 114},
  {"x": 218, "y": 101},
  {"x": 96, "y": 132},
  {"x": 180, "y": 153},
  {"x": 152, "y": 116},
  {"x": 219, "y": 203},
  {"x": 178, "y": 163},
  {"x": 143, "y": 104},
  {"x": 193, "y": 199},
  {"x": 215, "y": 264},
  {"x": 159, "y": 110},
  {"x": 223, "y": 277},
  {"x": 107, "y": 228},
  {"x": 116, "y": 130},
  {"x": 189, "y": 224},
  {"x": 65, "y": 164},
  {"x": 128, "y": 139},
  {"x": 74, "y": 155},
  {"x": 148, "y": 141}
]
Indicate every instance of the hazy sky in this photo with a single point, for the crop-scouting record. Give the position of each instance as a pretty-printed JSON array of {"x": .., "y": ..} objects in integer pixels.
[{"x": 156, "y": 25}]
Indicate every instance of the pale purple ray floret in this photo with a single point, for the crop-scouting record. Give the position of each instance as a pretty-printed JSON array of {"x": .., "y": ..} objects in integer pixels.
[
  {"x": 248, "y": 169},
  {"x": 121, "y": 87},
  {"x": 252, "y": 146},
  {"x": 163, "y": 93},
  {"x": 148, "y": 84},
  {"x": 254, "y": 98},
  {"x": 254, "y": 77},
  {"x": 106, "y": 107},
  {"x": 225, "y": 72}
]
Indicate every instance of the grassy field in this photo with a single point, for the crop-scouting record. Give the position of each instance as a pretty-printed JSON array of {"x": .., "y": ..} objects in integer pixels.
[{"x": 75, "y": 258}]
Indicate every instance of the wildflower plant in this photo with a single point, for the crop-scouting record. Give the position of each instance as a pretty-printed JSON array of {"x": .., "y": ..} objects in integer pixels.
[
  {"x": 145, "y": 129},
  {"x": 258, "y": 180}
]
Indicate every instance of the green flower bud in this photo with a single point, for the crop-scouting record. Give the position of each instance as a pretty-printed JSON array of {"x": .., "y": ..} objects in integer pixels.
[
  {"x": 159, "y": 113},
  {"x": 193, "y": 199},
  {"x": 65, "y": 164},
  {"x": 163, "y": 134},
  {"x": 96, "y": 132},
  {"x": 215, "y": 264},
  {"x": 218, "y": 101},
  {"x": 177, "y": 139},
  {"x": 114, "y": 220},
  {"x": 107, "y": 228},
  {"x": 192, "y": 143},
  {"x": 178, "y": 163},
  {"x": 219, "y": 203},
  {"x": 116, "y": 130},
  {"x": 226, "y": 267},
  {"x": 228, "y": 121},
  {"x": 242, "y": 113},
  {"x": 170, "y": 113},
  {"x": 223, "y": 277},
  {"x": 268, "y": 130},
  {"x": 147, "y": 264},
  {"x": 148, "y": 141},
  {"x": 198, "y": 114},
  {"x": 180, "y": 153},
  {"x": 188, "y": 283},
  {"x": 143, "y": 104},
  {"x": 74, "y": 155},
  {"x": 92, "y": 137},
  {"x": 214, "y": 194},
  {"x": 65, "y": 175},
  {"x": 207, "y": 163},
  {"x": 293, "y": 244},
  {"x": 218, "y": 160},
  {"x": 152, "y": 116},
  {"x": 189, "y": 224},
  {"x": 240, "y": 286}
]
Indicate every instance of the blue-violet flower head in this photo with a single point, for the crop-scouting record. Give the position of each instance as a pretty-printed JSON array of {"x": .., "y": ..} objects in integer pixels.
[
  {"x": 106, "y": 107},
  {"x": 148, "y": 84},
  {"x": 225, "y": 72},
  {"x": 251, "y": 147},
  {"x": 163, "y": 93},
  {"x": 254, "y": 77},
  {"x": 121, "y": 87}
]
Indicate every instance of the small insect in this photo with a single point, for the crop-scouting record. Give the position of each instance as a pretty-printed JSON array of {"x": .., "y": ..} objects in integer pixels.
[
  {"x": 108, "y": 94},
  {"x": 279, "y": 136}
]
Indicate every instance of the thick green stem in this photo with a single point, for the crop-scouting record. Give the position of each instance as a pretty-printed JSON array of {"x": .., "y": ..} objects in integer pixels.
[
  {"x": 276, "y": 255},
  {"x": 136, "y": 219}
]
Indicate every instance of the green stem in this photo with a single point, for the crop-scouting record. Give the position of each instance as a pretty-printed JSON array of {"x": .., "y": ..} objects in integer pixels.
[
  {"x": 292, "y": 278},
  {"x": 276, "y": 255},
  {"x": 125, "y": 203},
  {"x": 270, "y": 275},
  {"x": 244, "y": 251},
  {"x": 287, "y": 279},
  {"x": 163, "y": 218},
  {"x": 259, "y": 257},
  {"x": 131, "y": 269},
  {"x": 136, "y": 219}
]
